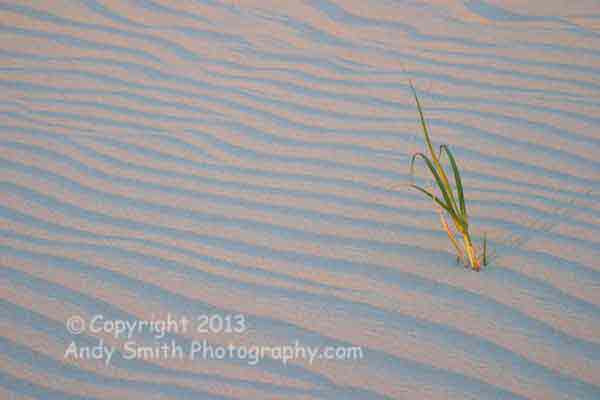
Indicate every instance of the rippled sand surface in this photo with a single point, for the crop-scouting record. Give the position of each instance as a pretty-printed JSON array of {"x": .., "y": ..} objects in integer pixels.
[{"x": 251, "y": 157}]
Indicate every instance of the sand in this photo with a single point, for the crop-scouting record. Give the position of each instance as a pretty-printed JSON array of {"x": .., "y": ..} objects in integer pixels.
[{"x": 245, "y": 164}]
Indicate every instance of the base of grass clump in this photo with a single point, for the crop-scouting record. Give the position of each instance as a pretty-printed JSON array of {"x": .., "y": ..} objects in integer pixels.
[{"x": 452, "y": 202}]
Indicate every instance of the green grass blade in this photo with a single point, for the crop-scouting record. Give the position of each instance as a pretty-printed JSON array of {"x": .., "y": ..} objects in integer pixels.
[
  {"x": 457, "y": 181},
  {"x": 433, "y": 197},
  {"x": 485, "y": 258},
  {"x": 423, "y": 124},
  {"x": 443, "y": 188},
  {"x": 434, "y": 158}
]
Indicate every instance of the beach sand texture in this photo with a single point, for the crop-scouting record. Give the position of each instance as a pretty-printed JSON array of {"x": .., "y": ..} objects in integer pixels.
[{"x": 217, "y": 157}]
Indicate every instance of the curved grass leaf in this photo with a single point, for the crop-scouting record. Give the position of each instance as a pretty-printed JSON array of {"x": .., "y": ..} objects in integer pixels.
[
  {"x": 457, "y": 181},
  {"x": 443, "y": 188},
  {"x": 436, "y": 162},
  {"x": 433, "y": 197}
]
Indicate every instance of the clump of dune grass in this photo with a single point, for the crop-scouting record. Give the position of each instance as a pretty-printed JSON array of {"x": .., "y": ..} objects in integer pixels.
[{"x": 452, "y": 202}]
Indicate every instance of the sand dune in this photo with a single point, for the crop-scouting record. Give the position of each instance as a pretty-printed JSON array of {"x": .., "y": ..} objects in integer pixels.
[{"x": 251, "y": 157}]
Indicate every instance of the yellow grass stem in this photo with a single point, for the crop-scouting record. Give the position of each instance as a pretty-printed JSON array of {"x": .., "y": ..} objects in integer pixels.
[{"x": 459, "y": 253}]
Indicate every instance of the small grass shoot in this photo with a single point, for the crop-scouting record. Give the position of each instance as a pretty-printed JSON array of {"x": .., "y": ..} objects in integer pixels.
[{"x": 452, "y": 202}]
